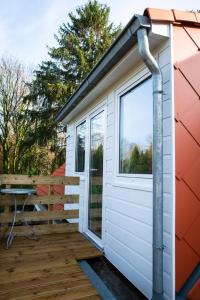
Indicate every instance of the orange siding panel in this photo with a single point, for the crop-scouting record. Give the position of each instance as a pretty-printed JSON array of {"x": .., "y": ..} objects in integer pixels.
[
  {"x": 194, "y": 294},
  {"x": 180, "y": 40},
  {"x": 60, "y": 171},
  {"x": 57, "y": 189},
  {"x": 192, "y": 177},
  {"x": 186, "y": 261},
  {"x": 188, "y": 204},
  {"x": 187, "y": 144},
  {"x": 184, "y": 16},
  {"x": 187, "y": 150},
  {"x": 190, "y": 68},
  {"x": 156, "y": 14},
  {"x": 191, "y": 121},
  {"x": 193, "y": 235},
  {"x": 185, "y": 97},
  {"x": 173, "y": 16},
  {"x": 42, "y": 190},
  {"x": 198, "y": 20},
  {"x": 194, "y": 34}
]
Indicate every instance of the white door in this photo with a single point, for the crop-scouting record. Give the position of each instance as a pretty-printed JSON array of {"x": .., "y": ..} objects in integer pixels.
[{"x": 95, "y": 177}]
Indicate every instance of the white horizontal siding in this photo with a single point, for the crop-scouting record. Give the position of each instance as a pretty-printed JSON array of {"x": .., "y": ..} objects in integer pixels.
[
  {"x": 137, "y": 212},
  {"x": 123, "y": 193},
  {"x": 131, "y": 225},
  {"x": 128, "y": 253},
  {"x": 138, "y": 245}
]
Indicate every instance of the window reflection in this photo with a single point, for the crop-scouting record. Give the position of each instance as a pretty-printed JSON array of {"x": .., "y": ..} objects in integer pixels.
[
  {"x": 96, "y": 175},
  {"x": 136, "y": 130},
  {"x": 80, "y": 148}
]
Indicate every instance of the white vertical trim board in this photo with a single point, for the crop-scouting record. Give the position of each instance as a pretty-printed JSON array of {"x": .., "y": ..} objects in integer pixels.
[
  {"x": 173, "y": 234},
  {"x": 166, "y": 64}
]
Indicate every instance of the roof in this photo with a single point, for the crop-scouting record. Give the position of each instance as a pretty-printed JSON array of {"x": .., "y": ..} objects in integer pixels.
[
  {"x": 173, "y": 16},
  {"x": 123, "y": 43}
]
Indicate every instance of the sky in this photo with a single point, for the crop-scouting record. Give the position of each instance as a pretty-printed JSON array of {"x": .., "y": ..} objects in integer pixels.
[{"x": 28, "y": 26}]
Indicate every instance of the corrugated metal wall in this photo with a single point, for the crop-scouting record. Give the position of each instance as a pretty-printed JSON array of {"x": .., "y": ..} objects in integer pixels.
[{"x": 187, "y": 131}]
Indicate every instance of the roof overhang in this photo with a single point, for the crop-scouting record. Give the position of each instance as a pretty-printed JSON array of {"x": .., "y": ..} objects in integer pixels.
[{"x": 119, "y": 57}]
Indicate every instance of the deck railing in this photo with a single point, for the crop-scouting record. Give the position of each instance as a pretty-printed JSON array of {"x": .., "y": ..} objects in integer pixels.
[{"x": 44, "y": 221}]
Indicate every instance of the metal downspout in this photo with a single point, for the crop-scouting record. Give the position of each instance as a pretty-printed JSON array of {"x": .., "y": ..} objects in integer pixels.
[{"x": 152, "y": 65}]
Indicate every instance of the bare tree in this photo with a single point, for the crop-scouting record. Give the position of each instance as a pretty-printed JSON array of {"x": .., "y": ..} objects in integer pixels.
[{"x": 14, "y": 121}]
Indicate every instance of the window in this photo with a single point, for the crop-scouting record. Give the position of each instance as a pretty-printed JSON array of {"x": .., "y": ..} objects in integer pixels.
[
  {"x": 80, "y": 148},
  {"x": 136, "y": 130}
]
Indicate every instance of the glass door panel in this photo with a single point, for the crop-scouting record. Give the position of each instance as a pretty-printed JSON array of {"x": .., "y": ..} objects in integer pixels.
[{"x": 96, "y": 174}]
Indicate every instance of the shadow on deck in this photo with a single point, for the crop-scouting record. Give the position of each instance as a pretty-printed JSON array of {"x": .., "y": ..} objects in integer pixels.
[{"x": 46, "y": 268}]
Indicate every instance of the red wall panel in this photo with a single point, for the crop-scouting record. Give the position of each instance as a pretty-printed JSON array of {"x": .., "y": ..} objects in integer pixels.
[
  {"x": 186, "y": 261},
  {"x": 187, "y": 144},
  {"x": 57, "y": 189},
  {"x": 194, "y": 294}
]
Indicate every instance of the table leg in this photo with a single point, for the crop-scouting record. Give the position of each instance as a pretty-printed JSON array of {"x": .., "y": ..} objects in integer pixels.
[
  {"x": 33, "y": 236},
  {"x": 10, "y": 237}
]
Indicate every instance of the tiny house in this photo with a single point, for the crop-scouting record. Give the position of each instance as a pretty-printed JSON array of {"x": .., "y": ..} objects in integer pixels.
[{"x": 133, "y": 137}]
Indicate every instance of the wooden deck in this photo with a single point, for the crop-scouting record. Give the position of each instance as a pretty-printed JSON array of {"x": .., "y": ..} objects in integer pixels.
[{"x": 46, "y": 268}]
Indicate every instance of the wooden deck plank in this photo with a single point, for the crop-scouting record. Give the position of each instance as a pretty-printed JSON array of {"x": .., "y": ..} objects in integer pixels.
[
  {"x": 76, "y": 291},
  {"x": 41, "y": 281},
  {"x": 46, "y": 268}
]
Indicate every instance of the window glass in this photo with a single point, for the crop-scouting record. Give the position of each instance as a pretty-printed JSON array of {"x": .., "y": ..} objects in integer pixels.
[
  {"x": 96, "y": 174},
  {"x": 80, "y": 148},
  {"x": 136, "y": 130}
]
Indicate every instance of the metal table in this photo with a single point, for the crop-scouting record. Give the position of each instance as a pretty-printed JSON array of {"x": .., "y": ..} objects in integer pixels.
[{"x": 14, "y": 192}]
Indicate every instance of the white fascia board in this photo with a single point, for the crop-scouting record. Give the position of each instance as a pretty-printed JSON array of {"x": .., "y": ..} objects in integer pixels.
[{"x": 160, "y": 29}]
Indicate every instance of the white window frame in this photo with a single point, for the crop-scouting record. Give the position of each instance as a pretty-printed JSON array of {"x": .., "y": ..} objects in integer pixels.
[
  {"x": 134, "y": 179},
  {"x": 77, "y": 123},
  {"x": 92, "y": 113}
]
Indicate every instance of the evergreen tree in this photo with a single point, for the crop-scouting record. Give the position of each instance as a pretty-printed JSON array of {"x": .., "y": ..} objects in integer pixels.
[
  {"x": 134, "y": 159},
  {"x": 81, "y": 43},
  {"x": 138, "y": 161}
]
